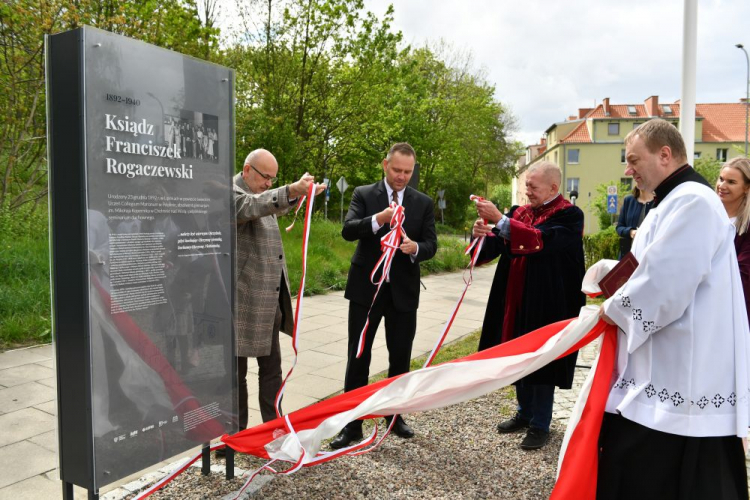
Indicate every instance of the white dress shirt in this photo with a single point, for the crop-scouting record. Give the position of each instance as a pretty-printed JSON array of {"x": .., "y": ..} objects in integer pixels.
[{"x": 376, "y": 227}]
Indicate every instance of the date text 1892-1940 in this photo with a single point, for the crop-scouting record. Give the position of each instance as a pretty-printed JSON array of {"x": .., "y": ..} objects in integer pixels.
[{"x": 124, "y": 100}]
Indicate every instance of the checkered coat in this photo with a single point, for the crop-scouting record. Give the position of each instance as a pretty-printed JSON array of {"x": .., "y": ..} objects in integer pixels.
[{"x": 261, "y": 265}]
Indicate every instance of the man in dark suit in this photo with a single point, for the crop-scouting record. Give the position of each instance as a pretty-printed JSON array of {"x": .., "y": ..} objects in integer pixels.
[{"x": 367, "y": 221}]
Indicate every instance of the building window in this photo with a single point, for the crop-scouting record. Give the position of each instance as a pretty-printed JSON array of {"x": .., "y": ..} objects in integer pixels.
[
  {"x": 572, "y": 184},
  {"x": 667, "y": 109},
  {"x": 632, "y": 110},
  {"x": 697, "y": 155},
  {"x": 721, "y": 154},
  {"x": 622, "y": 156},
  {"x": 556, "y": 158},
  {"x": 613, "y": 129},
  {"x": 637, "y": 124},
  {"x": 573, "y": 155},
  {"x": 627, "y": 181}
]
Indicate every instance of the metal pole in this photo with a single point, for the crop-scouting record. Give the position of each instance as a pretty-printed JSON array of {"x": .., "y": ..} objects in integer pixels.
[
  {"x": 342, "y": 209},
  {"x": 747, "y": 94},
  {"x": 689, "y": 56}
]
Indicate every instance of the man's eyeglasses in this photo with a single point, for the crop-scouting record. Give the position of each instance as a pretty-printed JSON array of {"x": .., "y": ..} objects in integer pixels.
[{"x": 265, "y": 176}]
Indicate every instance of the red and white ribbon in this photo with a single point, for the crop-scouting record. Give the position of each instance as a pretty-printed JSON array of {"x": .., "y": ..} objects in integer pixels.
[
  {"x": 170, "y": 477},
  {"x": 300, "y": 294},
  {"x": 452, "y": 383},
  {"x": 389, "y": 244},
  {"x": 473, "y": 250}
]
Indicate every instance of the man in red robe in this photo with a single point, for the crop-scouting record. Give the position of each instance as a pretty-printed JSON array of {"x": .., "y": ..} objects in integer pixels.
[{"x": 537, "y": 282}]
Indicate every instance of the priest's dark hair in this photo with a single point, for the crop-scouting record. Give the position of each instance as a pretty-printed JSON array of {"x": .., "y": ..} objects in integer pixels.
[
  {"x": 656, "y": 134},
  {"x": 743, "y": 214}
]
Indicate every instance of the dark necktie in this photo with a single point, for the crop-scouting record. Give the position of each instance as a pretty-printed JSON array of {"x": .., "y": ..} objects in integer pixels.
[{"x": 395, "y": 197}]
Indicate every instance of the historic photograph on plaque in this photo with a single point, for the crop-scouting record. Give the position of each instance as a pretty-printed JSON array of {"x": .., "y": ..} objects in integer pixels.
[{"x": 157, "y": 151}]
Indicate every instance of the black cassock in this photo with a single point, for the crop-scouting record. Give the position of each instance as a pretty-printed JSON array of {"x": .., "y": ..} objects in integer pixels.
[{"x": 543, "y": 262}]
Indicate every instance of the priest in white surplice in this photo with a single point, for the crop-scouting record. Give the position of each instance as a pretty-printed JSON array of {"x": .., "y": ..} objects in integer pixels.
[{"x": 678, "y": 406}]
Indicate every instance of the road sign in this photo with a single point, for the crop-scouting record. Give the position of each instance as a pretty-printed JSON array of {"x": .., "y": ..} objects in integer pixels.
[
  {"x": 441, "y": 194},
  {"x": 612, "y": 190},
  {"x": 441, "y": 204},
  {"x": 612, "y": 203},
  {"x": 327, "y": 182},
  {"x": 342, "y": 185}
]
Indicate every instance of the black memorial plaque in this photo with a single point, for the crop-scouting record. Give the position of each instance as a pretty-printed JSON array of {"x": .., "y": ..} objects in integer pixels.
[{"x": 141, "y": 143}]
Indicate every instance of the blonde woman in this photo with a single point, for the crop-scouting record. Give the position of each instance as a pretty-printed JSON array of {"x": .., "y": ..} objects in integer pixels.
[{"x": 733, "y": 188}]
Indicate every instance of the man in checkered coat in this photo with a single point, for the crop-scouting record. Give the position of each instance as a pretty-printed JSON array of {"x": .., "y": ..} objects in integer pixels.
[{"x": 264, "y": 304}]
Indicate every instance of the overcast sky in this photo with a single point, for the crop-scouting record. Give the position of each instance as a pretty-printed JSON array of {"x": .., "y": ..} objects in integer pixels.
[{"x": 546, "y": 59}]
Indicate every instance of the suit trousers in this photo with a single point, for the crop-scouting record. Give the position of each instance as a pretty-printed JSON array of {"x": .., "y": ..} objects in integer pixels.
[
  {"x": 400, "y": 328},
  {"x": 269, "y": 378}
]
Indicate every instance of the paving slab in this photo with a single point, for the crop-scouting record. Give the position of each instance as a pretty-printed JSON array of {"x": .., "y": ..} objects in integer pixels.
[
  {"x": 48, "y": 407},
  {"x": 21, "y": 374},
  {"x": 33, "y": 488},
  {"x": 24, "y": 460},
  {"x": 23, "y": 424},
  {"x": 20, "y": 357},
  {"x": 25, "y": 395},
  {"x": 47, "y": 440}
]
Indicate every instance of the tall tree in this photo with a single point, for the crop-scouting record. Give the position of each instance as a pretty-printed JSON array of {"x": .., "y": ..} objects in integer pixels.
[{"x": 173, "y": 24}]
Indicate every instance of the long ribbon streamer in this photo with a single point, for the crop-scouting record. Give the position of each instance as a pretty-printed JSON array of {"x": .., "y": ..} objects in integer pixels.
[
  {"x": 389, "y": 244},
  {"x": 473, "y": 250},
  {"x": 170, "y": 477},
  {"x": 300, "y": 294}
]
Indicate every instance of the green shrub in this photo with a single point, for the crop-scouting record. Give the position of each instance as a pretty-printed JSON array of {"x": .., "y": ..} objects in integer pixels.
[
  {"x": 449, "y": 257},
  {"x": 601, "y": 245},
  {"x": 23, "y": 221},
  {"x": 709, "y": 168},
  {"x": 598, "y": 206},
  {"x": 501, "y": 196},
  {"x": 446, "y": 229}
]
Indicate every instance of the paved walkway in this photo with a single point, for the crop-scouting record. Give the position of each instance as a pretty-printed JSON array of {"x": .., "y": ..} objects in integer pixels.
[{"x": 28, "y": 406}]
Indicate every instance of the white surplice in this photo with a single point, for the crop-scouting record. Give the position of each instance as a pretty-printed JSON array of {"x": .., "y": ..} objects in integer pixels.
[{"x": 683, "y": 346}]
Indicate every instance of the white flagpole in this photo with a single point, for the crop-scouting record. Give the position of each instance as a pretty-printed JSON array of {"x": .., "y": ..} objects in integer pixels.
[{"x": 689, "y": 56}]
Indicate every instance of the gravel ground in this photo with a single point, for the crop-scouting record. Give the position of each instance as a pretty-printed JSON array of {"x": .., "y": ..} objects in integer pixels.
[{"x": 455, "y": 454}]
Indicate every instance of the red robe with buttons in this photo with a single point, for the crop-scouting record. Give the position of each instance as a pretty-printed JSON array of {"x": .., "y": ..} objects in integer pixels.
[{"x": 537, "y": 281}]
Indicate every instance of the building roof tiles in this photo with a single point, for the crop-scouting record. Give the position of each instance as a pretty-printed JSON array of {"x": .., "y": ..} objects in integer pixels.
[{"x": 722, "y": 122}]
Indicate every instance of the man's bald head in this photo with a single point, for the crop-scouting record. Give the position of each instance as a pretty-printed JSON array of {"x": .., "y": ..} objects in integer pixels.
[{"x": 259, "y": 170}]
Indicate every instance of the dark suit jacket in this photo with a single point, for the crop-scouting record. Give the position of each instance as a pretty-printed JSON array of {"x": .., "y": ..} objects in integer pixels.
[
  {"x": 629, "y": 219},
  {"x": 419, "y": 226}
]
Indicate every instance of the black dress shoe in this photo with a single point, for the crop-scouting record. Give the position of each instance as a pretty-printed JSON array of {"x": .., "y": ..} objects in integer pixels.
[
  {"x": 220, "y": 453},
  {"x": 513, "y": 424},
  {"x": 346, "y": 437},
  {"x": 400, "y": 428},
  {"x": 535, "y": 439}
]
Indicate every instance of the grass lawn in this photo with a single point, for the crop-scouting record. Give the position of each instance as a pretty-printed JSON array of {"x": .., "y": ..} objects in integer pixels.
[
  {"x": 456, "y": 349},
  {"x": 24, "y": 291}
]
